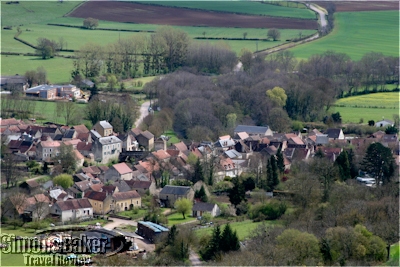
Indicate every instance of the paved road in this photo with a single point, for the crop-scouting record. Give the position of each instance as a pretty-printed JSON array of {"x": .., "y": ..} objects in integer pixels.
[
  {"x": 144, "y": 111},
  {"x": 321, "y": 14}
]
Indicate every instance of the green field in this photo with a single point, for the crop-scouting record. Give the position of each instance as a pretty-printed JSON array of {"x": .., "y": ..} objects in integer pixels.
[
  {"x": 242, "y": 7},
  {"x": 243, "y": 229},
  {"x": 58, "y": 69},
  {"x": 75, "y": 37},
  {"x": 368, "y": 107},
  {"x": 29, "y": 12},
  {"x": 357, "y": 33}
]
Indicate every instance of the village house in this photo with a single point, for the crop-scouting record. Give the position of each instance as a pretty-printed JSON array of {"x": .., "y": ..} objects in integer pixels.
[
  {"x": 201, "y": 208},
  {"x": 14, "y": 83},
  {"x": 106, "y": 148},
  {"x": 72, "y": 209},
  {"x": 335, "y": 133},
  {"x": 126, "y": 201},
  {"x": 144, "y": 138},
  {"x": 120, "y": 171},
  {"x": 104, "y": 128},
  {"x": 30, "y": 187},
  {"x": 47, "y": 149},
  {"x": 253, "y": 130},
  {"x": 384, "y": 123},
  {"x": 142, "y": 186},
  {"x": 100, "y": 201},
  {"x": 170, "y": 193}
]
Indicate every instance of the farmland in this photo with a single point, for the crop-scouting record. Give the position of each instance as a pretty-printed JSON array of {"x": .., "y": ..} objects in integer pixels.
[
  {"x": 138, "y": 13},
  {"x": 252, "y": 8},
  {"x": 368, "y": 107},
  {"x": 357, "y": 33}
]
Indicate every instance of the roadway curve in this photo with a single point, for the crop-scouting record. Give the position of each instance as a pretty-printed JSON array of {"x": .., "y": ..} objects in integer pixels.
[{"x": 322, "y": 18}]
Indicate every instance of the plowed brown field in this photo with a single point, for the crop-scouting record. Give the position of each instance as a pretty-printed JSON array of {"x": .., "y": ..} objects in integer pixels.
[
  {"x": 147, "y": 14},
  {"x": 347, "y": 6}
]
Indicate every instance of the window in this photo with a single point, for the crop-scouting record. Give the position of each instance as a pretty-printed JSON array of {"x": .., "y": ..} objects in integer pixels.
[
  {"x": 50, "y": 149},
  {"x": 95, "y": 203}
]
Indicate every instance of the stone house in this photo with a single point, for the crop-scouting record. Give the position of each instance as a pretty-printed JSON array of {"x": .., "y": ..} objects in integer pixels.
[
  {"x": 170, "y": 193},
  {"x": 126, "y": 200},
  {"x": 100, "y": 201},
  {"x": 120, "y": 171},
  {"x": 72, "y": 209},
  {"x": 104, "y": 128},
  {"x": 201, "y": 208}
]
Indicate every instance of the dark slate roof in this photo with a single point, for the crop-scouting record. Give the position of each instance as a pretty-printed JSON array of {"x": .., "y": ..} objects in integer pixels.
[
  {"x": 109, "y": 188},
  {"x": 148, "y": 135},
  {"x": 32, "y": 183},
  {"x": 251, "y": 129},
  {"x": 139, "y": 184},
  {"x": 58, "y": 137},
  {"x": 122, "y": 186},
  {"x": 69, "y": 133},
  {"x": 201, "y": 206},
  {"x": 175, "y": 190},
  {"x": 73, "y": 204},
  {"x": 333, "y": 132}
]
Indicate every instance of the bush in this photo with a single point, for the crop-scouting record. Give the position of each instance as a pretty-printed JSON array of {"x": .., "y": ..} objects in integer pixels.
[{"x": 268, "y": 211}]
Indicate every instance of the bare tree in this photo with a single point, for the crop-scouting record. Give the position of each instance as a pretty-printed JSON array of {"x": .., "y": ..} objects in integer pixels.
[
  {"x": 68, "y": 110},
  {"x": 9, "y": 170},
  {"x": 273, "y": 33}
]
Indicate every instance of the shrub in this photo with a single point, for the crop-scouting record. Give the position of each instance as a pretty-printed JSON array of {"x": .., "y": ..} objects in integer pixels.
[{"x": 269, "y": 211}]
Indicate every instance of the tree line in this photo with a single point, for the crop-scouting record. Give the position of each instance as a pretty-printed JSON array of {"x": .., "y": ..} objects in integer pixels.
[
  {"x": 161, "y": 52},
  {"x": 205, "y": 107}
]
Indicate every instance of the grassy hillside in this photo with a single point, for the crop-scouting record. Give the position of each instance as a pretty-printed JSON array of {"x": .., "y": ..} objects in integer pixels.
[
  {"x": 242, "y": 7},
  {"x": 368, "y": 107},
  {"x": 357, "y": 33}
]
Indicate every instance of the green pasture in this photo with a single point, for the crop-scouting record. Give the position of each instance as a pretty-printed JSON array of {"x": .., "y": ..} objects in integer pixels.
[
  {"x": 242, "y": 7},
  {"x": 30, "y": 12},
  {"x": 134, "y": 216},
  {"x": 173, "y": 139},
  {"x": 368, "y": 107},
  {"x": 243, "y": 229},
  {"x": 357, "y": 33},
  {"x": 58, "y": 69},
  {"x": 9, "y": 44},
  {"x": 75, "y": 37},
  {"x": 177, "y": 218}
]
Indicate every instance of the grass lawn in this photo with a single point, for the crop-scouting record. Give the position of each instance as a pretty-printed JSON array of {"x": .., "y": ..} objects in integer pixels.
[
  {"x": 394, "y": 255},
  {"x": 368, "y": 107},
  {"x": 177, "y": 218},
  {"x": 357, "y": 33},
  {"x": 46, "y": 111},
  {"x": 19, "y": 231},
  {"x": 173, "y": 139},
  {"x": 243, "y": 7},
  {"x": 134, "y": 216},
  {"x": 58, "y": 69},
  {"x": 243, "y": 229}
]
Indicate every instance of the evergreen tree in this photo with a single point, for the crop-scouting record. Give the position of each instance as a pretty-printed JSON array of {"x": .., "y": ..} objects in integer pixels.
[
  {"x": 353, "y": 167},
  {"x": 213, "y": 247},
  {"x": 280, "y": 161},
  {"x": 229, "y": 239},
  {"x": 270, "y": 177},
  {"x": 198, "y": 174},
  {"x": 236, "y": 193},
  {"x": 171, "y": 236},
  {"x": 45, "y": 168},
  {"x": 343, "y": 164},
  {"x": 275, "y": 175},
  {"x": 202, "y": 194}
]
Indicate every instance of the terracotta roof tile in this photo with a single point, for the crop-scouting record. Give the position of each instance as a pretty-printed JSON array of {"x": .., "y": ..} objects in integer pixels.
[{"x": 122, "y": 168}]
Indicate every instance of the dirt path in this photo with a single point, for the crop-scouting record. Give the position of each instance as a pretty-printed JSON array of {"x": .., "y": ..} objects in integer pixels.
[
  {"x": 194, "y": 258},
  {"x": 144, "y": 111},
  {"x": 118, "y": 223}
]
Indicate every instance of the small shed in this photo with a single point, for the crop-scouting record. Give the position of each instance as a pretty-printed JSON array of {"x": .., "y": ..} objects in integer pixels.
[
  {"x": 150, "y": 230},
  {"x": 201, "y": 208}
]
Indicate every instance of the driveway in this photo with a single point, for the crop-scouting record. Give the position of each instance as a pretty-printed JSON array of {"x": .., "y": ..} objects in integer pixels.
[{"x": 118, "y": 223}]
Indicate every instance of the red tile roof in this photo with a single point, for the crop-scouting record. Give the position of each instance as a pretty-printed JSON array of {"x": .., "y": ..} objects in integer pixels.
[
  {"x": 74, "y": 204},
  {"x": 161, "y": 154},
  {"x": 122, "y": 168},
  {"x": 126, "y": 195},
  {"x": 81, "y": 128}
]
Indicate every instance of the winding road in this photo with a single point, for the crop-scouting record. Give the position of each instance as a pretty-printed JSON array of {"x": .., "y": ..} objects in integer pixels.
[{"x": 144, "y": 111}]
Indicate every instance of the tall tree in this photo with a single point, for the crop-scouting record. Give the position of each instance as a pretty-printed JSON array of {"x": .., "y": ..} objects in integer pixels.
[
  {"x": 280, "y": 160},
  {"x": 69, "y": 111},
  {"x": 229, "y": 240},
  {"x": 274, "y": 34},
  {"x": 183, "y": 206},
  {"x": 343, "y": 164},
  {"x": 11, "y": 173},
  {"x": 379, "y": 162},
  {"x": 236, "y": 193},
  {"x": 66, "y": 159},
  {"x": 198, "y": 174},
  {"x": 64, "y": 180}
]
